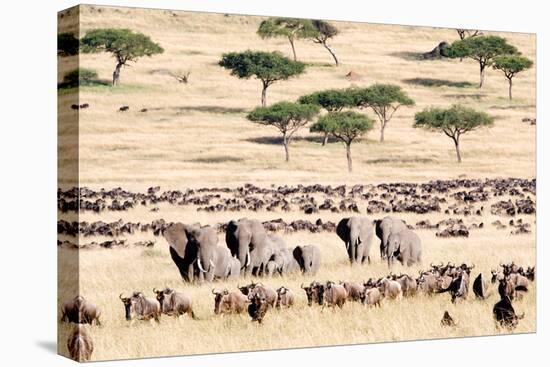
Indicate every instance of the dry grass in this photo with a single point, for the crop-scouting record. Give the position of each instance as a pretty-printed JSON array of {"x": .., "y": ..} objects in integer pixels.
[{"x": 195, "y": 135}]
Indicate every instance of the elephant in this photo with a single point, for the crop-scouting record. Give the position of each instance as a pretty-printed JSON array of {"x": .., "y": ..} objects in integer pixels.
[
  {"x": 308, "y": 258},
  {"x": 249, "y": 242},
  {"x": 282, "y": 261},
  {"x": 404, "y": 246},
  {"x": 384, "y": 227},
  {"x": 183, "y": 256},
  {"x": 213, "y": 260},
  {"x": 357, "y": 234}
]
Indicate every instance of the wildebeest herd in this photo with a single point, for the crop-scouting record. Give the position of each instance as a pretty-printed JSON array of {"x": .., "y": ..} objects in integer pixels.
[{"x": 511, "y": 282}]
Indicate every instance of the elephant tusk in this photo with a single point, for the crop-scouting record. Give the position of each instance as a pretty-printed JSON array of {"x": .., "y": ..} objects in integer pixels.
[
  {"x": 200, "y": 266},
  {"x": 211, "y": 264},
  {"x": 247, "y": 262}
]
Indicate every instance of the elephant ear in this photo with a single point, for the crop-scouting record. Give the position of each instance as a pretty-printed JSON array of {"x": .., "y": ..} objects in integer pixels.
[
  {"x": 176, "y": 238},
  {"x": 342, "y": 230}
]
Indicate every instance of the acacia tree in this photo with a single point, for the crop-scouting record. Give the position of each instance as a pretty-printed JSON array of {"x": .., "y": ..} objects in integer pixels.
[
  {"x": 510, "y": 65},
  {"x": 268, "y": 67},
  {"x": 332, "y": 100},
  {"x": 290, "y": 28},
  {"x": 346, "y": 126},
  {"x": 287, "y": 117},
  {"x": 453, "y": 122},
  {"x": 67, "y": 44},
  {"x": 124, "y": 44},
  {"x": 323, "y": 32},
  {"x": 384, "y": 100},
  {"x": 482, "y": 49}
]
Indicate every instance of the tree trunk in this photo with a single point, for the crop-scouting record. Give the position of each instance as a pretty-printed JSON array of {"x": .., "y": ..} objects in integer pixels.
[
  {"x": 292, "y": 45},
  {"x": 510, "y": 88},
  {"x": 116, "y": 73},
  {"x": 382, "y": 127},
  {"x": 325, "y": 139},
  {"x": 264, "y": 94},
  {"x": 332, "y": 53},
  {"x": 457, "y": 147},
  {"x": 285, "y": 143},
  {"x": 348, "y": 155},
  {"x": 481, "y": 74}
]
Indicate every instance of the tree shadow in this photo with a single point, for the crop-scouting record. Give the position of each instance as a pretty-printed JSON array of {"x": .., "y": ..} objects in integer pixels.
[
  {"x": 205, "y": 109},
  {"x": 400, "y": 160},
  {"x": 409, "y": 56},
  {"x": 278, "y": 140},
  {"x": 430, "y": 82},
  {"x": 465, "y": 96},
  {"x": 88, "y": 83}
]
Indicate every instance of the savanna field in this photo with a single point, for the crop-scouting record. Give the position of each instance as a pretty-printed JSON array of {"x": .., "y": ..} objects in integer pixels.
[{"x": 196, "y": 135}]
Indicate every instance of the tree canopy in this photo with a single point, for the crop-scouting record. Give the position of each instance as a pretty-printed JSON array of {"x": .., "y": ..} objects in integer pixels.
[
  {"x": 290, "y": 28},
  {"x": 453, "y": 122},
  {"x": 268, "y": 67},
  {"x": 80, "y": 76},
  {"x": 383, "y": 99},
  {"x": 345, "y": 126},
  {"x": 124, "y": 44},
  {"x": 482, "y": 49},
  {"x": 67, "y": 44},
  {"x": 332, "y": 100},
  {"x": 323, "y": 32},
  {"x": 511, "y": 65},
  {"x": 287, "y": 117}
]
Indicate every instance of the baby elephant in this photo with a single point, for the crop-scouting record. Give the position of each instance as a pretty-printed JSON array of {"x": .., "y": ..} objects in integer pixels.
[
  {"x": 404, "y": 246},
  {"x": 285, "y": 297}
]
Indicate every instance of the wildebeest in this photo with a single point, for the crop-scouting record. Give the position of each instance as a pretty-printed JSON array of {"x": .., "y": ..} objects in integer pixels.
[
  {"x": 80, "y": 311},
  {"x": 530, "y": 273},
  {"x": 372, "y": 296},
  {"x": 428, "y": 282},
  {"x": 258, "y": 307},
  {"x": 229, "y": 302},
  {"x": 80, "y": 344},
  {"x": 140, "y": 307},
  {"x": 458, "y": 287},
  {"x": 335, "y": 295},
  {"x": 447, "y": 320},
  {"x": 355, "y": 290},
  {"x": 314, "y": 293},
  {"x": 481, "y": 287},
  {"x": 504, "y": 313},
  {"x": 252, "y": 289},
  {"x": 174, "y": 303},
  {"x": 285, "y": 297},
  {"x": 390, "y": 288},
  {"x": 512, "y": 286},
  {"x": 408, "y": 284},
  {"x": 124, "y": 108}
]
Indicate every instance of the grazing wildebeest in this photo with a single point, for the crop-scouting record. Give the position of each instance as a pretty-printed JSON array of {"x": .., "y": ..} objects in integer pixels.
[
  {"x": 458, "y": 287},
  {"x": 258, "y": 307},
  {"x": 124, "y": 108},
  {"x": 447, "y": 320},
  {"x": 285, "y": 297},
  {"x": 390, "y": 288},
  {"x": 481, "y": 287},
  {"x": 504, "y": 313},
  {"x": 372, "y": 296},
  {"x": 335, "y": 295},
  {"x": 408, "y": 284},
  {"x": 354, "y": 290},
  {"x": 80, "y": 311},
  {"x": 140, "y": 307},
  {"x": 314, "y": 293},
  {"x": 85, "y": 105},
  {"x": 428, "y": 282},
  {"x": 174, "y": 303},
  {"x": 80, "y": 344},
  {"x": 229, "y": 302}
]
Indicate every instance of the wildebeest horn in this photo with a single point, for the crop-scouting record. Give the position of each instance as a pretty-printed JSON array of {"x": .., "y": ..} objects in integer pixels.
[
  {"x": 302, "y": 286},
  {"x": 155, "y": 290},
  {"x": 120, "y": 296},
  {"x": 213, "y": 291},
  {"x": 473, "y": 266}
]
